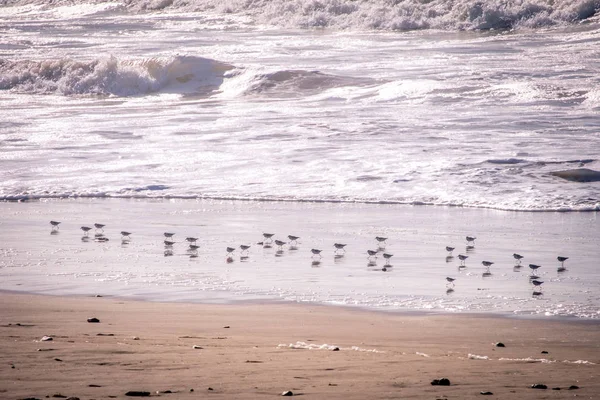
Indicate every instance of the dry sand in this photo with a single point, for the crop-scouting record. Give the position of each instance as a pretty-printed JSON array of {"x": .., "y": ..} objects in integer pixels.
[{"x": 147, "y": 346}]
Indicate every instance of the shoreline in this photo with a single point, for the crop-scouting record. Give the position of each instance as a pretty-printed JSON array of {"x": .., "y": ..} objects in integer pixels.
[
  {"x": 15, "y": 199},
  {"x": 258, "y": 351},
  {"x": 332, "y": 307},
  {"x": 68, "y": 262}
]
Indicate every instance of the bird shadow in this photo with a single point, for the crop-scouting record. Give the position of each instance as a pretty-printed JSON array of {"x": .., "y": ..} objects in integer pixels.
[
  {"x": 315, "y": 264},
  {"x": 449, "y": 258}
]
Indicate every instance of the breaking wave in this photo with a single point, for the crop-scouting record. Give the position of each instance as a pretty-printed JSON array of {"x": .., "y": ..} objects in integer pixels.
[
  {"x": 113, "y": 77},
  {"x": 390, "y": 15}
]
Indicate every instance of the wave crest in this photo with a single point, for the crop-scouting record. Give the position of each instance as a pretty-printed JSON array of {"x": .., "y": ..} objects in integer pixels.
[
  {"x": 389, "y": 15},
  {"x": 113, "y": 77},
  {"x": 394, "y": 15}
]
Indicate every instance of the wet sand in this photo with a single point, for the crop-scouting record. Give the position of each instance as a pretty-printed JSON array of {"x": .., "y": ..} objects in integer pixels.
[
  {"x": 65, "y": 262},
  {"x": 149, "y": 346}
]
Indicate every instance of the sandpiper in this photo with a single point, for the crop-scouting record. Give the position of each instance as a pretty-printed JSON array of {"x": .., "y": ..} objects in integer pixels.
[
  {"x": 293, "y": 239},
  {"x": 169, "y": 243},
  {"x": 55, "y": 224},
  {"x": 450, "y": 281},
  {"x": 518, "y": 257},
  {"x": 193, "y": 247},
  {"x": 190, "y": 239},
  {"x": 534, "y": 267},
  {"x": 462, "y": 259},
  {"x": 316, "y": 252},
  {"x": 562, "y": 260},
  {"x": 125, "y": 234},
  {"x": 387, "y": 257},
  {"x": 381, "y": 240},
  {"x": 487, "y": 264},
  {"x": 449, "y": 250},
  {"x": 372, "y": 253},
  {"x": 280, "y": 243},
  {"x": 230, "y": 250},
  {"x": 100, "y": 227},
  {"x": 339, "y": 246},
  {"x": 268, "y": 237},
  {"x": 86, "y": 229},
  {"x": 168, "y": 235},
  {"x": 471, "y": 240},
  {"x": 536, "y": 282},
  {"x": 244, "y": 248}
]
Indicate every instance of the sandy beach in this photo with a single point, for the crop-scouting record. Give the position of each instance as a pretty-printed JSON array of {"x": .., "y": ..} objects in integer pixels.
[{"x": 243, "y": 351}]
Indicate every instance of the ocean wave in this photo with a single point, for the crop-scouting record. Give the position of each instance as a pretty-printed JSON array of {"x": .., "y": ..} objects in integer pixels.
[
  {"x": 284, "y": 83},
  {"x": 390, "y": 15},
  {"x": 578, "y": 175},
  {"x": 145, "y": 193},
  {"x": 112, "y": 76}
]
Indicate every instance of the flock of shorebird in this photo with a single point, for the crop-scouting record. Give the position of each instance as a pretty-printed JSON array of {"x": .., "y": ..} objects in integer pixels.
[
  {"x": 339, "y": 247},
  {"x": 534, "y": 279}
]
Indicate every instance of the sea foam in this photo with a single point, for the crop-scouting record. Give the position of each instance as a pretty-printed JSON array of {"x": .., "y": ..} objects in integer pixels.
[
  {"x": 390, "y": 15},
  {"x": 113, "y": 76}
]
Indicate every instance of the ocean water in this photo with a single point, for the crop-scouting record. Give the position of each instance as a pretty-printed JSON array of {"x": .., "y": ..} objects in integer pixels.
[{"x": 481, "y": 105}]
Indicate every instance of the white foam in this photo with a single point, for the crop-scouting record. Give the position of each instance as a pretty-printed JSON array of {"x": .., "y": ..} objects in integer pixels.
[
  {"x": 476, "y": 357},
  {"x": 112, "y": 76},
  {"x": 529, "y": 360},
  {"x": 313, "y": 346}
]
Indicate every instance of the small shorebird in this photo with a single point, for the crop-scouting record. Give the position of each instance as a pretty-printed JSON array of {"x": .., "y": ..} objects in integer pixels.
[
  {"x": 450, "y": 281},
  {"x": 487, "y": 264},
  {"x": 190, "y": 239},
  {"x": 536, "y": 282},
  {"x": 86, "y": 229},
  {"x": 169, "y": 243},
  {"x": 462, "y": 259},
  {"x": 534, "y": 267},
  {"x": 293, "y": 239},
  {"x": 372, "y": 253},
  {"x": 280, "y": 243},
  {"x": 471, "y": 240},
  {"x": 55, "y": 224},
  {"x": 168, "y": 235},
  {"x": 381, "y": 240},
  {"x": 125, "y": 234},
  {"x": 518, "y": 257},
  {"x": 562, "y": 260},
  {"x": 244, "y": 248},
  {"x": 193, "y": 247},
  {"x": 387, "y": 257},
  {"x": 230, "y": 250},
  {"x": 268, "y": 237},
  {"x": 100, "y": 227},
  {"x": 339, "y": 246},
  {"x": 449, "y": 250},
  {"x": 316, "y": 252}
]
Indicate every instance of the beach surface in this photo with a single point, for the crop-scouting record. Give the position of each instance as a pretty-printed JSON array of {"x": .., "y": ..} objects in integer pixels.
[
  {"x": 65, "y": 261},
  {"x": 176, "y": 350}
]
